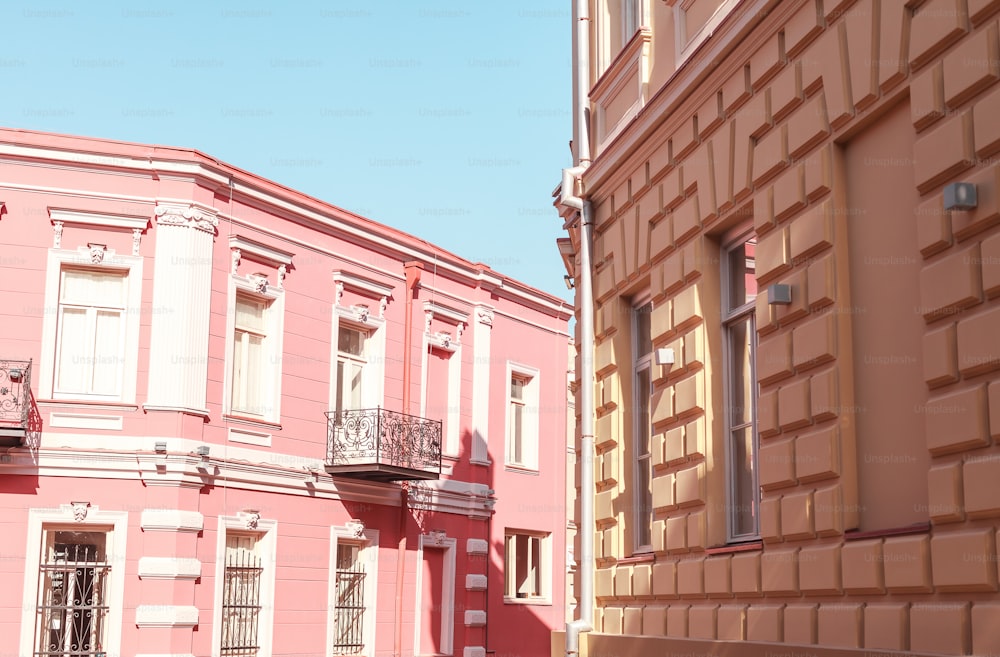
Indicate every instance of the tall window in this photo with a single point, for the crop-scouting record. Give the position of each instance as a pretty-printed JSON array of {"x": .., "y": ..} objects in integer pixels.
[
  {"x": 631, "y": 18},
  {"x": 642, "y": 349},
  {"x": 90, "y": 343},
  {"x": 350, "y": 604},
  {"x": 241, "y": 596},
  {"x": 351, "y": 359},
  {"x": 522, "y": 417},
  {"x": 72, "y": 605},
  {"x": 526, "y": 566},
  {"x": 248, "y": 356},
  {"x": 740, "y": 341}
]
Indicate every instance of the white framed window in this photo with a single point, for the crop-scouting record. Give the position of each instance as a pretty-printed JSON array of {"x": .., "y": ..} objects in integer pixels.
[
  {"x": 739, "y": 334},
  {"x": 440, "y": 392},
  {"x": 254, "y": 336},
  {"x": 357, "y": 376},
  {"x": 642, "y": 354},
  {"x": 616, "y": 22},
  {"x": 522, "y": 416},
  {"x": 74, "y": 584},
  {"x": 244, "y": 586},
  {"x": 90, "y": 336},
  {"x": 527, "y": 567},
  {"x": 353, "y": 587}
]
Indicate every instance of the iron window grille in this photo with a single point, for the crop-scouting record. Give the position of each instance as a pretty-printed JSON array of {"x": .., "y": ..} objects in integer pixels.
[
  {"x": 350, "y": 606},
  {"x": 241, "y": 606},
  {"x": 71, "y": 612}
]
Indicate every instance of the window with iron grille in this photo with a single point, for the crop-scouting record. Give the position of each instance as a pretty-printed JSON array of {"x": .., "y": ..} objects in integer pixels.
[
  {"x": 241, "y": 596},
  {"x": 72, "y": 610},
  {"x": 350, "y": 601}
]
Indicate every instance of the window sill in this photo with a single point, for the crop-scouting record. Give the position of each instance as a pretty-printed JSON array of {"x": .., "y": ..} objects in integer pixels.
[
  {"x": 520, "y": 469},
  {"x": 919, "y": 528},
  {"x": 640, "y": 557},
  {"x": 539, "y": 602},
  {"x": 252, "y": 421},
  {"x": 749, "y": 546},
  {"x": 83, "y": 403}
]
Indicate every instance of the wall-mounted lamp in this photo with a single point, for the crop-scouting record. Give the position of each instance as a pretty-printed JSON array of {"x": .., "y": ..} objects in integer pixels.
[
  {"x": 203, "y": 451},
  {"x": 779, "y": 294},
  {"x": 161, "y": 447},
  {"x": 664, "y": 356},
  {"x": 570, "y": 282},
  {"x": 15, "y": 374},
  {"x": 960, "y": 196}
]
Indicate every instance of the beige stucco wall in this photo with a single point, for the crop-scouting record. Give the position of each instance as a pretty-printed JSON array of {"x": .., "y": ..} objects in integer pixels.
[{"x": 831, "y": 127}]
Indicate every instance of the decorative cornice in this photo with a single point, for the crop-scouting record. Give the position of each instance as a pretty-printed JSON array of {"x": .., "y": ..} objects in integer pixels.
[
  {"x": 98, "y": 219},
  {"x": 166, "y": 616},
  {"x": 262, "y": 253},
  {"x": 187, "y": 216},
  {"x": 484, "y": 316},
  {"x": 169, "y": 568},
  {"x": 444, "y": 312}
]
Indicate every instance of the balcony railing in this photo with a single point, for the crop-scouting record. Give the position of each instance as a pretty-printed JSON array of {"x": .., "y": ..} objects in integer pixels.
[
  {"x": 381, "y": 445},
  {"x": 15, "y": 401}
]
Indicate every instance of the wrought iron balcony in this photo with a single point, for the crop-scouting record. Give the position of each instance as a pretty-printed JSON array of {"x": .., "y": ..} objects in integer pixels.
[
  {"x": 380, "y": 445},
  {"x": 15, "y": 401}
]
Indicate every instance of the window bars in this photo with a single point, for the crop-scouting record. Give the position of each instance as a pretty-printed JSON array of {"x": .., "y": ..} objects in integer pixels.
[
  {"x": 71, "y": 609},
  {"x": 350, "y": 606},
  {"x": 241, "y": 598}
]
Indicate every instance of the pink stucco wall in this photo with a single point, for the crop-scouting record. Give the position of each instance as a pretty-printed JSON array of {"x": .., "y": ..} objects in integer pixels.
[{"x": 102, "y": 453}]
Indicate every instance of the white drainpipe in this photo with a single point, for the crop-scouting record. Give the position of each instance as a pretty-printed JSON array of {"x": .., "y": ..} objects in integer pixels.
[{"x": 585, "y": 299}]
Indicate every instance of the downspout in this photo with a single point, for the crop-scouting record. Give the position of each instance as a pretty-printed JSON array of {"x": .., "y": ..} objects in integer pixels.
[
  {"x": 571, "y": 197},
  {"x": 413, "y": 270}
]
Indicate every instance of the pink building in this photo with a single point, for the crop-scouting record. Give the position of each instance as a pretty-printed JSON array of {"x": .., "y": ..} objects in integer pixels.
[{"x": 227, "y": 409}]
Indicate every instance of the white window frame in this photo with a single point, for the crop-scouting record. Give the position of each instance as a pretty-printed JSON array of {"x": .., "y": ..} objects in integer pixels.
[
  {"x": 373, "y": 377},
  {"x": 80, "y": 259},
  {"x": 65, "y": 517},
  {"x": 631, "y": 15},
  {"x": 368, "y": 542},
  {"x": 437, "y": 542},
  {"x": 545, "y": 568},
  {"x": 728, "y": 318},
  {"x": 642, "y": 428},
  {"x": 685, "y": 46},
  {"x": 267, "y": 534},
  {"x": 529, "y": 420},
  {"x": 450, "y": 438},
  {"x": 271, "y": 371}
]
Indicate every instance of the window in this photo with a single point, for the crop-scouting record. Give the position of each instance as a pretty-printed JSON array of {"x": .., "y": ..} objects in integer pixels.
[
  {"x": 522, "y": 417},
  {"x": 350, "y": 609},
  {"x": 740, "y": 341},
  {"x": 72, "y": 607},
  {"x": 352, "y": 594},
  {"x": 90, "y": 335},
  {"x": 254, "y": 349},
  {"x": 244, "y": 586},
  {"x": 248, "y": 356},
  {"x": 631, "y": 18},
  {"x": 527, "y": 567},
  {"x": 241, "y": 605},
  {"x": 642, "y": 353},
  {"x": 351, "y": 360}
]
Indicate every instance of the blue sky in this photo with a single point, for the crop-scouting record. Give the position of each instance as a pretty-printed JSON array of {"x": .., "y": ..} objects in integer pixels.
[{"x": 449, "y": 120}]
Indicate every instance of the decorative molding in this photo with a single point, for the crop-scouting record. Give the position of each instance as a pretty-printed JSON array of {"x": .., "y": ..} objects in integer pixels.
[
  {"x": 57, "y": 231},
  {"x": 262, "y": 253},
  {"x": 437, "y": 537},
  {"x": 98, "y": 219},
  {"x": 172, "y": 520},
  {"x": 250, "y": 518},
  {"x": 166, "y": 616},
  {"x": 475, "y": 618},
  {"x": 249, "y": 437},
  {"x": 446, "y": 313},
  {"x": 362, "y": 311},
  {"x": 355, "y": 528},
  {"x": 136, "y": 240},
  {"x": 187, "y": 216},
  {"x": 475, "y": 582},
  {"x": 235, "y": 257},
  {"x": 84, "y": 421},
  {"x": 370, "y": 288},
  {"x": 484, "y": 316},
  {"x": 169, "y": 568},
  {"x": 97, "y": 252},
  {"x": 468, "y": 651},
  {"x": 282, "y": 272},
  {"x": 477, "y": 546},
  {"x": 80, "y": 510},
  {"x": 258, "y": 282}
]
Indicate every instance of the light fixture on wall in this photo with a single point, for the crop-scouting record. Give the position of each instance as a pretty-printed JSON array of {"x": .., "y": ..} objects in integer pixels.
[
  {"x": 160, "y": 447},
  {"x": 203, "y": 451},
  {"x": 960, "y": 196},
  {"x": 665, "y": 356},
  {"x": 779, "y": 294},
  {"x": 15, "y": 374},
  {"x": 570, "y": 282}
]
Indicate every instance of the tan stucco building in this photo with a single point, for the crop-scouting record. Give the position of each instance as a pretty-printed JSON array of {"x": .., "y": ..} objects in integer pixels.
[{"x": 790, "y": 328}]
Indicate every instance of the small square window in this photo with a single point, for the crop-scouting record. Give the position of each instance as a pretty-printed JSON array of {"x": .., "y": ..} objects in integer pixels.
[{"x": 527, "y": 567}]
